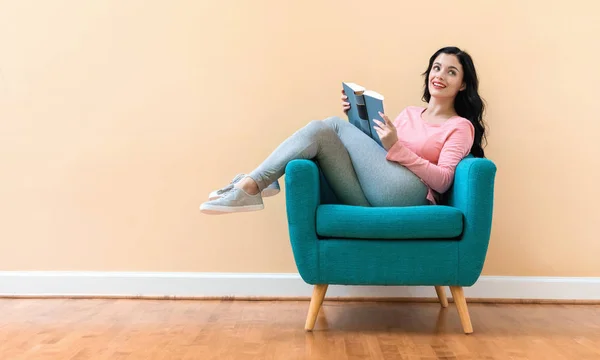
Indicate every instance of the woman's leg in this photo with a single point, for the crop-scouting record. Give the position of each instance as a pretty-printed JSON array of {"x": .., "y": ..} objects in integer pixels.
[
  {"x": 384, "y": 182},
  {"x": 317, "y": 140},
  {"x": 354, "y": 165}
]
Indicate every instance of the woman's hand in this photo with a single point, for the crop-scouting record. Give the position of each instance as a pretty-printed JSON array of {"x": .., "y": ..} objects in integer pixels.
[
  {"x": 386, "y": 131},
  {"x": 345, "y": 104}
]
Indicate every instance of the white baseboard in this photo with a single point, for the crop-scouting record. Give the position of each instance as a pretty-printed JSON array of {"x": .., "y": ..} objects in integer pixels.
[{"x": 249, "y": 285}]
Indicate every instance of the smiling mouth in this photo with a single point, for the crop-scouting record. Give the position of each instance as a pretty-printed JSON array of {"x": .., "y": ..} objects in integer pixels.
[{"x": 438, "y": 84}]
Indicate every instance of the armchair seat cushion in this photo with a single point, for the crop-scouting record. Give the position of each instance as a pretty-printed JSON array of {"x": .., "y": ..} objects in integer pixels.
[{"x": 395, "y": 223}]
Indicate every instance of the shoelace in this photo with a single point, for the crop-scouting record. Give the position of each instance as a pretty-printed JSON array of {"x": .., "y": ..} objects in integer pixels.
[{"x": 225, "y": 189}]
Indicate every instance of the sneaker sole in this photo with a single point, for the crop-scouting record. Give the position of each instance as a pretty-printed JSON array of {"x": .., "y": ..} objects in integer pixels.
[{"x": 218, "y": 209}]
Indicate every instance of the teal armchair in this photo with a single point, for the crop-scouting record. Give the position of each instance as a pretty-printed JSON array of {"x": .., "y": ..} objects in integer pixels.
[{"x": 433, "y": 245}]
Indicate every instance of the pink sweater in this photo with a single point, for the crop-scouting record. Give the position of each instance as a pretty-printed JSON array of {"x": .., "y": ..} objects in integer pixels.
[{"x": 431, "y": 151}]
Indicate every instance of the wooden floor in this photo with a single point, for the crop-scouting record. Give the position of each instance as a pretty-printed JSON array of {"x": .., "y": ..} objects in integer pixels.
[{"x": 181, "y": 329}]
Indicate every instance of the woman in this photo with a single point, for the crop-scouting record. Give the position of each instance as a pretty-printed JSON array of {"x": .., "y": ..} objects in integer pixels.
[{"x": 421, "y": 147}]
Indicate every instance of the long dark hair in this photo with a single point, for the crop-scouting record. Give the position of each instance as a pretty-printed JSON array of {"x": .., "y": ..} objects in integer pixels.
[{"x": 467, "y": 103}]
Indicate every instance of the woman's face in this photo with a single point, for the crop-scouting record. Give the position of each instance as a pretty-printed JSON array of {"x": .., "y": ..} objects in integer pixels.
[{"x": 446, "y": 77}]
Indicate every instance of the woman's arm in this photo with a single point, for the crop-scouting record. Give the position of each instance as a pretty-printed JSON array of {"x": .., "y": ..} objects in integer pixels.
[{"x": 438, "y": 176}]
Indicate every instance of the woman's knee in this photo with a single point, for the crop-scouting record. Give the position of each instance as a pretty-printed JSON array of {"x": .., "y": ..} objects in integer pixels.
[
  {"x": 334, "y": 121},
  {"x": 316, "y": 127}
]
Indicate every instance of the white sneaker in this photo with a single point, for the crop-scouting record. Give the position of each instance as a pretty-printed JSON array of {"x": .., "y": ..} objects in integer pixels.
[
  {"x": 234, "y": 200},
  {"x": 271, "y": 190}
]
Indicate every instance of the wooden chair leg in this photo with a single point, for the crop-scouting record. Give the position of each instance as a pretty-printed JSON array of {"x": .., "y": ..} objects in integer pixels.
[
  {"x": 315, "y": 305},
  {"x": 461, "y": 304},
  {"x": 441, "y": 294}
]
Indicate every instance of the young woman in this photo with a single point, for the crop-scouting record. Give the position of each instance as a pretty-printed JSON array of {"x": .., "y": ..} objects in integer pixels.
[{"x": 421, "y": 147}]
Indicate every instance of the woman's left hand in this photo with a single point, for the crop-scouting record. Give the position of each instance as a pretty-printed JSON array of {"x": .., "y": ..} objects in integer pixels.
[{"x": 386, "y": 131}]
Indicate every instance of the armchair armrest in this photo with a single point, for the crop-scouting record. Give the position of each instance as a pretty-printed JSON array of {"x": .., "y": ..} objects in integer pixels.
[
  {"x": 473, "y": 193},
  {"x": 302, "y": 199}
]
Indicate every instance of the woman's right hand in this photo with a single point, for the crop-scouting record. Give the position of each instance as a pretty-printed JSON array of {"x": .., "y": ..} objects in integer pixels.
[{"x": 345, "y": 104}]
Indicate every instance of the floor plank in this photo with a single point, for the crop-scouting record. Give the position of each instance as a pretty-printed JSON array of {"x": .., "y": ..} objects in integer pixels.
[{"x": 185, "y": 329}]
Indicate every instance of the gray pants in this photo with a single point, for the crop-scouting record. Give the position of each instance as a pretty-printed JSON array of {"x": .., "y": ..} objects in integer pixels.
[{"x": 353, "y": 164}]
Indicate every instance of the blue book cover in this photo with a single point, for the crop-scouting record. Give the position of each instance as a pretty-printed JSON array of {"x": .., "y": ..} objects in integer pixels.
[
  {"x": 374, "y": 104},
  {"x": 364, "y": 107},
  {"x": 357, "y": 115}
]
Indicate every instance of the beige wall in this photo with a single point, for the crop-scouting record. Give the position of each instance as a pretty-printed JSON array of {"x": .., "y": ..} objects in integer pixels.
[{"x": 118, "y": 118}]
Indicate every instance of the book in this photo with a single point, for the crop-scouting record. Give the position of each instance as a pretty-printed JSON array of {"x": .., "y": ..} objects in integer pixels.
[{"x": 365, "y": 106}]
